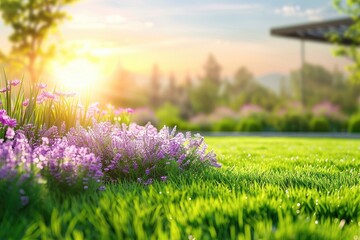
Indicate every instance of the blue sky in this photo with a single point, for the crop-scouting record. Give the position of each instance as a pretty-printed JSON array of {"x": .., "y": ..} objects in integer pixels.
[{"x": 179, "y": 35}]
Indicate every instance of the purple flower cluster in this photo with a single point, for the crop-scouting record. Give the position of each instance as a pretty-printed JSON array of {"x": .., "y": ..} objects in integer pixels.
[
  {"x": 142, "y": 151},
  {"x": 67, "y": 166},
  {"x": 110, "y": 114},
  {"x": 63, "y": 166},
  {"x": 6, "y": 121},
  {"x": 45, "y": 96},
  {"x": 17, "y": 174},
  {"x": 15, "y": 157}
]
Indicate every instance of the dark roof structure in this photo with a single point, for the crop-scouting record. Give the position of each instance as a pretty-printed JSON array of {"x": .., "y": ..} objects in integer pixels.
[{"x": 316, "y": 31}]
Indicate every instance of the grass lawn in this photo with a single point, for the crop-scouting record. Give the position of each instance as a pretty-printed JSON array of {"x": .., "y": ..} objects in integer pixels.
[{"x": 268, "y": 188}]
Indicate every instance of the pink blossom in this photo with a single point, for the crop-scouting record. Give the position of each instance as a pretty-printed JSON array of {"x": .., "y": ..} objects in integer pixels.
[
  {"x": 26, "y": 102},
  {"x": 41, "y": 85},
  {"x": 15, "y": 82},
  {"x": 10, "y": 133},
  {"x": 5, "y": 89}
]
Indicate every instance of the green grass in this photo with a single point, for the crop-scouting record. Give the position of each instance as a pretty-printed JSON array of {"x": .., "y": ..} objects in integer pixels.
[{"x": 268, "y": 188}]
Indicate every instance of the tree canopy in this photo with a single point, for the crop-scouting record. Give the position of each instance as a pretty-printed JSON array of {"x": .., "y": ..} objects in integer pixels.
[
  {"x": 352, "y": 9},
  {"x": 32, "y": 21}
]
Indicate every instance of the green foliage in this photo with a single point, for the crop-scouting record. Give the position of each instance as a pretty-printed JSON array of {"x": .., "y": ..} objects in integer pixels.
[
  {"x": 352, "y": 9},
  {"x": 46, "y": 109},
  {"x": 204, "y": 97},
  {"x": 168, "y": 115},
  {"x": 32, "y": 22},
  {"x": 19, "y": 193},
  {"x": 225, "y": 125},
  {"x": 319, "y": 124},
  {"x": 249, "y": 125},
  {"x": 292, "y": 122},
  {"x": 196, "y": 127},
  {"x": 188, "y": 126},
  {"x": 269, "y": 188},
  {"x": 354, "y": 124},
  {"x": 245, "y": 90},
  {"x": 320, "y": 84}
]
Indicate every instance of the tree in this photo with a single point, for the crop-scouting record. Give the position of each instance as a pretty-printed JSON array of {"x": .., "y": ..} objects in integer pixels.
[
  {"x": 121, "y": 89},
  {"x": 32, "y": 22},
  {"x": 244, "y": 89},
  {"x": 321, "y": 85},
  {"x": 155, "y": 87},
  {"x": 352, "y": 9},
  {"x": 205, "y": 96},
  {"x": 172, "y": 91},
  {"x": 212, "y": 70}
]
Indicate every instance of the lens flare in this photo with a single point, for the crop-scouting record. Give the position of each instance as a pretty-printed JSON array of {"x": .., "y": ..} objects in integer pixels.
[{"x": 77, "y": 75}]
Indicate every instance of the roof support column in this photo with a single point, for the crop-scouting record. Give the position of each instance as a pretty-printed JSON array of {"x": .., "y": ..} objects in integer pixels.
[{"x": 302, "y": 72}]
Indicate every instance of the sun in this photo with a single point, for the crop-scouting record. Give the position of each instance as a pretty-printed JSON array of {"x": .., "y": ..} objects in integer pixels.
[{"x": 77, "y": 74}]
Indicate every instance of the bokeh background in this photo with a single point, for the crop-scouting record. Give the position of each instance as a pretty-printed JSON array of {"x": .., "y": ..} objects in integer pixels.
[{"x": 199, "y": 65}]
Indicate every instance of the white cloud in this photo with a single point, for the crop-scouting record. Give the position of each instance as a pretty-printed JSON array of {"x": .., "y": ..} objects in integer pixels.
[
  {"x": 229, "y": 7},
  {"x": 289, "y": 10},
  {"x": 115, "y": 19},
  {"x": 297, "y": 11}
]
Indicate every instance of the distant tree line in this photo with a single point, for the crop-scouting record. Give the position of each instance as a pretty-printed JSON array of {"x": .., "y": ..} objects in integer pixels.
[{"x": 211, "y": 90}]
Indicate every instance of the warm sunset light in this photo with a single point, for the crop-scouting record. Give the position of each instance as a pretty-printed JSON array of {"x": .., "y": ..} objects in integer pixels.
[
  {"x": 188, "y": 119},
  {"x": 76, "y": 75}
]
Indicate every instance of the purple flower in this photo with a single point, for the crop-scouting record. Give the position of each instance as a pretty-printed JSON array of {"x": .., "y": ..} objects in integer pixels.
[
  {"x": 40, "y": 99},
  {"x": 48, "y": 95},
  {"x": 4, "y": 89},
  {"x": 129, "y": 110},
  {"x": 11, "y": 122},
  {"x": 163, "y": 178},
  {"x": 148, "y": 182},
  {"x": 15, "y": 82},
  {"x": 26, "y": 102},
  {"x": 24, "y": 200},
  {"x": 41, "y": 85},
  {"x": 5, "y": 120},
  {"x": 131, "y": 149},
  {"x": 10, "y": 133}
]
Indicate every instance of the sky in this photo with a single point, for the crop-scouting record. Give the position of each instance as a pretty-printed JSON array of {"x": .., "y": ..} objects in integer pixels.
[{"x": 178, "y": 36}]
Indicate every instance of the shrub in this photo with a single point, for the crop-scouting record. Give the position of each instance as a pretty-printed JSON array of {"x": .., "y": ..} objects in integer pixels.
[
  {"x": 142, "y": 153},
  {"x": 188, "y": 126},
  {"x": 225, "y": 125},
  {"x": 249, "y": 110},
  {"x": 142, "y": 116},
  {"x": 168, "y": 115},
  {"x": 354, "y": 124},
  {"x": 68, "y": 168},
  {"x": 332, "y": 113},
  {"x": 319, "y": 124},
  {"x": 249, "y": 125},
  {"x": 6, "y": 125},
  {"x": 292, "y": 122},
  {"x": 19, "y": 185}
]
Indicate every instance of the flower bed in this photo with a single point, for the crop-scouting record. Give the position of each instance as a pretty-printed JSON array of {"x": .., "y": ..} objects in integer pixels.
[{"x": 50, "y": 141}]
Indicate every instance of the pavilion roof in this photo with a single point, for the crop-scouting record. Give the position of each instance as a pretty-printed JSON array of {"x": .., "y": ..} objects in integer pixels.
[{"x": 318, "y": 31}]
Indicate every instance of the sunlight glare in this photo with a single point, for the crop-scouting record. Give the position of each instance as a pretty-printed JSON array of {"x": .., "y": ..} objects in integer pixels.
[{"x": 77, "y": 74}]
